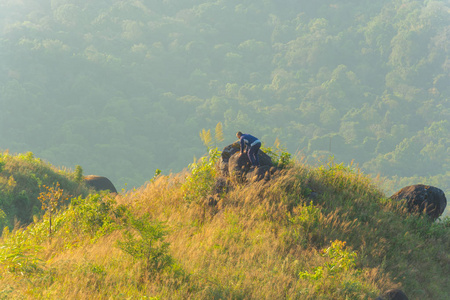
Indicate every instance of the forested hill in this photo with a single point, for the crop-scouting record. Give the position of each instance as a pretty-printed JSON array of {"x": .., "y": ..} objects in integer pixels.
[{"x": 123, "y": 87}]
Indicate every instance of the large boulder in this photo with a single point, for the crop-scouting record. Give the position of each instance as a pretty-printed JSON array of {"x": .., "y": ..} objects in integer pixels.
[
  {"x": 100, "y": 183},
  {"x": 227, "y": 153},
  {"x": 421, "y": 198},
  {"x": 260, "y": 173},
  {"x": 238, "y": 165},
  {"x": 229, "y": 150},
  {"x": 394, "y": 294},
  {"x": 233, "y": 164}
]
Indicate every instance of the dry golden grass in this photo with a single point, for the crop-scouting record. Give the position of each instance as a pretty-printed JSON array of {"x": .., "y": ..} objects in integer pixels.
[{"x": 253, "y": 244}]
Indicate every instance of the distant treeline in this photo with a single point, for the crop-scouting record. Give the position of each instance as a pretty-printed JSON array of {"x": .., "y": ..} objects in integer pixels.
[{"x": 124, "y": 87}]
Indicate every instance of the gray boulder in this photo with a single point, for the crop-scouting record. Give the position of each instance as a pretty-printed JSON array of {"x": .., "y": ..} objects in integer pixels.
[
  {"x": 227, "y": 153},
  {"x": 421, "y": 198},
  {"x": 260, "y": 173},
  {"x": 233, "y": 164},
  {"x": 100, "y": 183},
  {"x": 229, "y": 150},
  {"x": 238, "y": 165},
  {"x": 394, "y": 294}
]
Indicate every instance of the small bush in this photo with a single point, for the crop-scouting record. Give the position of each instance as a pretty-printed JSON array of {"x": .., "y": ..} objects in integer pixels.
[
  {"x": 50, "y": 199},
  {"x": 338, "y": 276},
  {"x": 279, "y": 156},
  {"x": 302, "y": 223},
  {"x": 149, "y": 246},
  {"x": 199, "y": 183},
  {"x": 97, "y": 214},
  {"x": 78, "y": 174}
]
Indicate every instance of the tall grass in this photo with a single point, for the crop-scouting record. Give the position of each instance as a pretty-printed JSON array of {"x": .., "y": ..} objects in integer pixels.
[{"x": 309, "y": 233}]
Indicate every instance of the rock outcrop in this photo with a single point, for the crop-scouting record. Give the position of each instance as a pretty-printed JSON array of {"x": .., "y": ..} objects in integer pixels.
[
  {"x": 423, "y": 198},
  {"x": 394, "y": 294},
  {"x": 100, "y": 183},
  {"x": 232, "y": 164}
]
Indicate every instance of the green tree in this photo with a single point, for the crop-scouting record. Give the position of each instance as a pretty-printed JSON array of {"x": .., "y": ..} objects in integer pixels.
[
  {"x": 144, "y": 241},
  {"x": 50, "y": 199}
]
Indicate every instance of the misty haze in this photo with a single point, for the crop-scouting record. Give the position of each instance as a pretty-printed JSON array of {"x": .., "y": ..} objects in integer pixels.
[
  {"x": 123, "y": 88},
  {"x": 339, "y": 92}
]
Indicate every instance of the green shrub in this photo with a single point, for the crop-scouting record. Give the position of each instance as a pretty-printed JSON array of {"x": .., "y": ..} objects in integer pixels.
[
  {"x": 97, "y": 214},
  {"x": 149, "y": 246},
  {"x": 200, "y": 181},
  {"x": 338, "y": 276},
  {"x": 302, "y": 224},
  {"x": 50, "y": 199},
  {"x": 19, "y": 253},
  {"x": 279, "y": 156},
  {"x": 3, "y": 220},
  {"x": 78, "y": 174}
]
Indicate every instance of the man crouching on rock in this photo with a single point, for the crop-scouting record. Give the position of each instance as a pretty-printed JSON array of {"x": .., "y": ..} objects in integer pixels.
[{"x": 253, "y": 144}]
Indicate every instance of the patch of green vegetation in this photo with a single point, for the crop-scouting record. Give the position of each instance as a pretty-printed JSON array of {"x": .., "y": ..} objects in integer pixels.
[
  {"x": 23, "y": 178},
  {"x": 148, "y": 246},
  {"x": 279, "y": 155}
]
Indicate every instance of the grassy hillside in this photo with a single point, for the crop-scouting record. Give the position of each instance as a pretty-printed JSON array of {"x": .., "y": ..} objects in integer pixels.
[
  {"x": 22, "y": 179},
  {"x": 309, "y": 233}
]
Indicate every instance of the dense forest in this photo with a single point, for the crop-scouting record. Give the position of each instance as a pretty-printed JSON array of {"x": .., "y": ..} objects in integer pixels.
[{"x": 123, "y": 87}]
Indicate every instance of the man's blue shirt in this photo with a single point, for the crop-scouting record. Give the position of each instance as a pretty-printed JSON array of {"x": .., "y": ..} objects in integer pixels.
[{"x": 247, "y": 139}]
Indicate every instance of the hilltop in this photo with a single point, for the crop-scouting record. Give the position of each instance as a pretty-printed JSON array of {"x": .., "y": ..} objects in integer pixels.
[
  {"x": 308, "y": 233},
  {"x": 22, "y": 178}
]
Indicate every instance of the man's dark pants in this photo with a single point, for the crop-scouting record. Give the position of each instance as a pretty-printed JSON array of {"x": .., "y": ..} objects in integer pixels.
[{"x": 253, "y": 154}]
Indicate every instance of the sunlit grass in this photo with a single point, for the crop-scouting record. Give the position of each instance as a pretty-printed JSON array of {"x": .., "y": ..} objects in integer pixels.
[{"x": 309, "y": 233}]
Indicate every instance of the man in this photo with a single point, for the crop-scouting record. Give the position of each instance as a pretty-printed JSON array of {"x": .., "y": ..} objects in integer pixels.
[{"x": 253, "y": 144}]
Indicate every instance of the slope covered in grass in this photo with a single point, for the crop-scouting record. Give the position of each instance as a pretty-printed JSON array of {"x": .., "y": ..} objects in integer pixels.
[
  {"x": 22, "y": 179},
  {"x": 309, "y": 233}
]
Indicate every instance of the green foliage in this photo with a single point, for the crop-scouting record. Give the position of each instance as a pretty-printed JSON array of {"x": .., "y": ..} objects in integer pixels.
[
  {"x": 341, "y": 259},
  {"x": 157, "y": 173},
  {"x": 50, "y": 199},
  {"x": 280, "y": 157},
  {"x": 19, "y": 253},
  {"x": 3, "y": 220},
  {"x": 200, "y": 181},
  {"x": 303, "y": 224},
  {"x": 342, "y": 177},
  {"x": 337, "y": 276},
  {"x": 29, "y": 157},
  {"x": 78, "y": 174},
  {"x": 21, "y": 180},
  {"x": 97, "y": 214},
  {"x": 332, "y": 168},
  {"x": 149, "y": 246}
]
